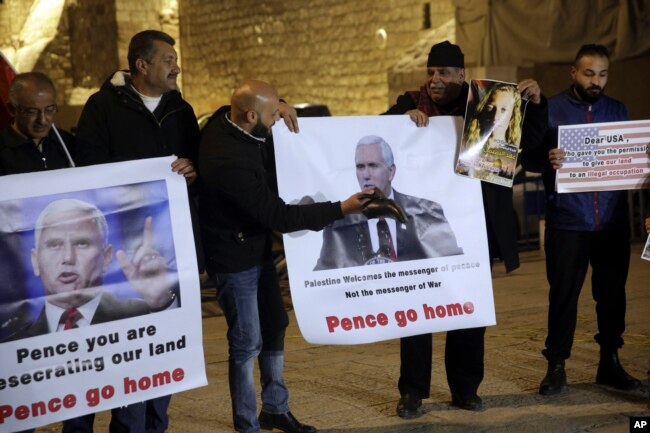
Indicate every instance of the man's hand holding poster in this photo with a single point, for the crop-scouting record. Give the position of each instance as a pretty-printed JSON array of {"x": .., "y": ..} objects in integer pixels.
[
  {"x": 492, "y": 132},
  {"x": 361, "y": 280},
  {"x": 604, "y": 156},
  {"x": 99, "y": 304}
]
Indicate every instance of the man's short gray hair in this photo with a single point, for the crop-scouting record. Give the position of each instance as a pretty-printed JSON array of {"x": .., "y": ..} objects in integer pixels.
[
  {"x": 20, "y": 81},
  {"x": 386, "y": 151},
  {"x": 66, "y": 204}
]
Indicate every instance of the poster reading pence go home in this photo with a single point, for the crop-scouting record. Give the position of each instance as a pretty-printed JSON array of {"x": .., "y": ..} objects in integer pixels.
[
  {"x": 365, "y": 279},
  {"x": 99, "y": 299}
]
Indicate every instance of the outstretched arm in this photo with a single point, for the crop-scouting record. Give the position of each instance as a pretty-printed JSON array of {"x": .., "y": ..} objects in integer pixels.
[{"x": 354, "y": 203}]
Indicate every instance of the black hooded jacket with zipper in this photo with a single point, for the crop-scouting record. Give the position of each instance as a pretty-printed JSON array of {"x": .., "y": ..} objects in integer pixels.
[{"x": 116, "y": 126}]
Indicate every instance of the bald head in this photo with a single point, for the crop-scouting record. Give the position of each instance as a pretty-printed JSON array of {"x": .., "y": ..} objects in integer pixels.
[
  {"x": 251, "y": 93},
  {"x": 255, "y": 107}
]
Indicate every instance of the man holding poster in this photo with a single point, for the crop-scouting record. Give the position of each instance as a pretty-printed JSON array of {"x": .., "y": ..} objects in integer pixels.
[
  {"x": 584, "y": 228},
  {"x": 139, "y": 114},
  {"x": 238, "y": 212},
  {"x": 28, "y": 144},
  {"x": 445, "y": 94}
]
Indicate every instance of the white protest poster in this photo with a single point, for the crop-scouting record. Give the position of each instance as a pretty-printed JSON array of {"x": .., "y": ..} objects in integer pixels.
[
  {"x": 604, "y": 156},
  {"x": 494, "y": 118},
  {"x": 343, "y": 290},
  {"x": 99, "y": 296}
]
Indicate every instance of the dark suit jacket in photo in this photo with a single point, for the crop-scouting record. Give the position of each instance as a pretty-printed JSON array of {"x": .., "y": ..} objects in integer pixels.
[
  {"x": 110, "y": 308},
  {"x": 427, "y": 234}
]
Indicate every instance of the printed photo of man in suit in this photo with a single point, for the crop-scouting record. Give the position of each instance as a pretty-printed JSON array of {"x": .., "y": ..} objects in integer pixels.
[
  {"x": 71, "y": 254},
  {"x": 357, "y": 241}
]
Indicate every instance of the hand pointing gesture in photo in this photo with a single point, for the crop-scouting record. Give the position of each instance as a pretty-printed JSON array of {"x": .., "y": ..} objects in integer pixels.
[{"x": 147, "y": 271}]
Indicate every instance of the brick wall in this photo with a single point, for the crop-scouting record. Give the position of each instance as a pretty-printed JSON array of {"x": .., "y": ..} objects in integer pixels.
[
  {"x": 133, "y": 17},
  {"x": 320, "y": 51},
  {"x": 93, "y": 41}
]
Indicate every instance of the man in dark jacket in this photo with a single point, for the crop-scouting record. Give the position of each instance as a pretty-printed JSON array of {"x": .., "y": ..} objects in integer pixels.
[
  {"x": 445, "y": 94},
  {"x": 135, "y": 115},
  {"x": 581, "y": 229},
  {"x": 239, "y": 210},
  {"x": 28, "y": 144}
]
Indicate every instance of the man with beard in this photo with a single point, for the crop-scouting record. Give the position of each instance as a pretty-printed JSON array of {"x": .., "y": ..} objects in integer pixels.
[
  {"x": 581, "y": 229},
  {"x": 239, "y": 210}
]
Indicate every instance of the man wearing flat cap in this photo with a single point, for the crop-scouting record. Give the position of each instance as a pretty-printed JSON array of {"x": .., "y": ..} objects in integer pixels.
[{"x": 445, "y": 94}]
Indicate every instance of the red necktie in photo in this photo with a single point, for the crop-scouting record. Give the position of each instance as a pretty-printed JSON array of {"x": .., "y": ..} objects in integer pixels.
[{"x": 69, "y": 318}]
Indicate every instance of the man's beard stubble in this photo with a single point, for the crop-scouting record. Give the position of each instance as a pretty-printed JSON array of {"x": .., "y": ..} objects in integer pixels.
[
  {"x": 260, "y": 131},
  {"x": 586, "y": 95}
]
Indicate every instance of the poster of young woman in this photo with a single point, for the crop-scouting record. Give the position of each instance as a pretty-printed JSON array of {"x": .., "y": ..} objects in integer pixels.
[{"x": 492, "y": 132}]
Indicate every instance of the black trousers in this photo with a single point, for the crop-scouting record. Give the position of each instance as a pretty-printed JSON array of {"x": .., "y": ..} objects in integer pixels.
[
  {"x": 568, "y": 255},
  {"x": 464, "y": 350}
]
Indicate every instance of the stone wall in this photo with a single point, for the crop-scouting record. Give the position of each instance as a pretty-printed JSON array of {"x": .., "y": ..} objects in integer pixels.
[
  {"x": 13, "y": 14},
  {"x": 354, "y": 56},
  {"x": 91, "y": 41},
  {"x": 321, "y": 51}
]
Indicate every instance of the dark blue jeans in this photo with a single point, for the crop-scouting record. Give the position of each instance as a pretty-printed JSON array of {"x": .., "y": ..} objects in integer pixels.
[{"x": 253, "y": 308}]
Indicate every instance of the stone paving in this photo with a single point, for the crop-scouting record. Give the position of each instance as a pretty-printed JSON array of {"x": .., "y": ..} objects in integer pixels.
[{"x": 352, "y": 389}]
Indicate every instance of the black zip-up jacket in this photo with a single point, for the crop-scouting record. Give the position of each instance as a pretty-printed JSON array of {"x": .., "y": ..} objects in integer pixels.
[
  {"x": 116, "y": 126},
  {"x": 18, "y": 154},
  {"x": 238, "y": 208}
]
